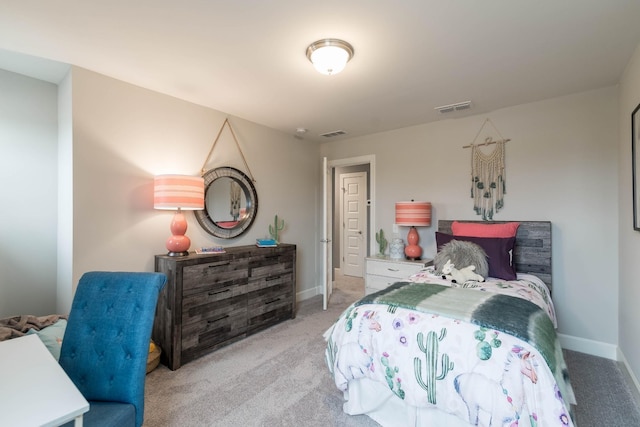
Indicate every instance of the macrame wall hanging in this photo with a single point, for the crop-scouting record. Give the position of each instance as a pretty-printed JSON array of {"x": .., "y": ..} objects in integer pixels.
[{"x": 488, "y": 175}]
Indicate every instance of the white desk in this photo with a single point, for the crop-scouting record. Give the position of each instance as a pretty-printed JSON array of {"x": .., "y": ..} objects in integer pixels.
[{"x": 34, "y": 389}]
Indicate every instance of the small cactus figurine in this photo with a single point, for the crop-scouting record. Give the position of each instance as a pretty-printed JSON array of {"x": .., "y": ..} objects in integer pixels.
[
  {"x": 382, "y": 241},
  {"x": 273, "y": 230}
]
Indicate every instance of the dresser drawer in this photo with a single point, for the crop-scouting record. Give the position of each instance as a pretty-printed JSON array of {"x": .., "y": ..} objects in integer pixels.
[
  {"x": 269, "y": 305},
  {"x": 219, "y": 274},
  {"x": 281, "y": 291},
  {"x": 266, "y": 304},
  {"x": 270, "y": 264},
  {"x": 196, "y": 307},
  {"x": 269, "y": 318},
  {"x": 269, "y": 281},
  {"x": 212, "y": 325}
]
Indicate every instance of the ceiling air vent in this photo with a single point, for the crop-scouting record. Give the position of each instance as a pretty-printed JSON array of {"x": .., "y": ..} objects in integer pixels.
[
  {"x": 333, "y": 134},
  {"x": 459, "y": 106}
]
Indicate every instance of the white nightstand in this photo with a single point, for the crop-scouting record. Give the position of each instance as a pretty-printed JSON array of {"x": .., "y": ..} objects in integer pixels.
[{"x": 381, "y": 272}]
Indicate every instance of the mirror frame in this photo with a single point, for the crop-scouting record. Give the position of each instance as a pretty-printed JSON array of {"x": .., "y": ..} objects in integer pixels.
[{"x": 248, "y": 190}]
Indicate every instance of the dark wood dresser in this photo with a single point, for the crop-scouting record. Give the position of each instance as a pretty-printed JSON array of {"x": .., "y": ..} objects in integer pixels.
[{"x": 210, "y": 301}]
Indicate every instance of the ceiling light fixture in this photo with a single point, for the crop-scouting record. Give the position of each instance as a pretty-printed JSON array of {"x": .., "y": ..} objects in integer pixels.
[{"x": 329, "y": 56}]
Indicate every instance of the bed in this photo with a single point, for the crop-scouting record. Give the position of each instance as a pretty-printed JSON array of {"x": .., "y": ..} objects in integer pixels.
[{"x": 429, "y": 352}]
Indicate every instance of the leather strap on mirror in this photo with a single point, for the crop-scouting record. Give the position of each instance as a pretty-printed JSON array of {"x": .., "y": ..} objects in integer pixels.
[{"x": 226, "y": 122}]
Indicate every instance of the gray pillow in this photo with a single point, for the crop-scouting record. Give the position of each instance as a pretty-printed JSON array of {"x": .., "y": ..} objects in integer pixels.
[
  {"x": 462, "y": 254},
  {"x": 51, "y": 336}
]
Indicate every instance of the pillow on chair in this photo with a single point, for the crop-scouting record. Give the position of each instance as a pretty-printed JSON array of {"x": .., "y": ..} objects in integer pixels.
[{"x": 51, "y": 336}]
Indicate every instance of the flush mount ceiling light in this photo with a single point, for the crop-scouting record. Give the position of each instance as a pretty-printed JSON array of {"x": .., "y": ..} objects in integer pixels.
[{"x": 329, "y": 56}]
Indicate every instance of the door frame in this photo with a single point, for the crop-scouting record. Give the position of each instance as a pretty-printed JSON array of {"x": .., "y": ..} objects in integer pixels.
[{"x": 352, "y": 161}]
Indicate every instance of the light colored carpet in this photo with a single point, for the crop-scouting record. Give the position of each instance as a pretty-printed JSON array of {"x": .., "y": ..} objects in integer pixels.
[
  {"x": 279, "y": 378},
  {"x": 603, "y": 392}
]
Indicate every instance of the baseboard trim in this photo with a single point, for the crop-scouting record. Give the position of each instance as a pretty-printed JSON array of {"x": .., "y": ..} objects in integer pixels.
[
  {"x": 631, "y": 378},
  {"x": 608, "y": 351},
  {"x": 308, "y": 293},
  {"x": 594, "y": 348}
]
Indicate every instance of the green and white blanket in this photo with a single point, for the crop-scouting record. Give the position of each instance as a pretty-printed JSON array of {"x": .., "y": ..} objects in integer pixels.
[{"x": 456, "y": 348}]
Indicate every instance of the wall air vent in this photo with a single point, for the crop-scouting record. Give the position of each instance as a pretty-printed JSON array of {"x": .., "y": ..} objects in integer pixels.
[
  {"x": 459, "y": 106},
  {"x": 333, "y": 134}
]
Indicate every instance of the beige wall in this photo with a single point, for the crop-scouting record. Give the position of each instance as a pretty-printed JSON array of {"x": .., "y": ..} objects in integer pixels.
[
  {"x": 123, "y": 135},
  {"x": 85, "y": 200},
  {"x": 629, "y": 314},
  {"x": 561, "y": 166}
]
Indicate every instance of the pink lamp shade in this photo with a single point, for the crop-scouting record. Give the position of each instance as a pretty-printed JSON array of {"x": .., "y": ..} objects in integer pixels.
[
  {"x": 413, "y": 214},
  {"x": 178, "y": 192}
]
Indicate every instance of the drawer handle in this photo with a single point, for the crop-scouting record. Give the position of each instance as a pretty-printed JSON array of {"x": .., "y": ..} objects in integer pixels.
[
  {"x": 392, "y": 269},
  {"x": 218, "y": 265},
  {"x": 272, "y": 301},
  {"x": 218, "y": 292},
  {"x": 209, "y": 322},
  {"x": 272, "y": 278}
]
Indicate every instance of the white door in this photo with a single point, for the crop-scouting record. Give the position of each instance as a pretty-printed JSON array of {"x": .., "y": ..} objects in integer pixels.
[
  {"x": 354, "y": 222},
  {"x": 327, "y": 280}
]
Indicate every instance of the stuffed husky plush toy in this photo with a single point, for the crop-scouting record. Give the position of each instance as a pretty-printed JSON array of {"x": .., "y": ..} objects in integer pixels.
[{"x": 450, "y": 272}]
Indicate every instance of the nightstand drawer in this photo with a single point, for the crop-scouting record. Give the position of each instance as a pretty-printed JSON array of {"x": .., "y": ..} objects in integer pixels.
[
  {"x": 393, "y": 269},
  {"x": 380, "y": 273},
  {"x": 376, "y": 283}
]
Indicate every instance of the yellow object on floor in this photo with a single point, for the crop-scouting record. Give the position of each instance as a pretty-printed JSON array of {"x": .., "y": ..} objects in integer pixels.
[{"x": 154, "y": 357}]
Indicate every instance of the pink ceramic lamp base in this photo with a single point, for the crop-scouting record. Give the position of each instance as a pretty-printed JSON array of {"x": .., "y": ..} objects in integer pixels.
[
  {"x": 178, "y": 244},
  {"x": 413, "y": 250}
]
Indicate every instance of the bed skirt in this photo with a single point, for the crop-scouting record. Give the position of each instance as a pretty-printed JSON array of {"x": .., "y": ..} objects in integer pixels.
[{"x": 367, "y": 397}]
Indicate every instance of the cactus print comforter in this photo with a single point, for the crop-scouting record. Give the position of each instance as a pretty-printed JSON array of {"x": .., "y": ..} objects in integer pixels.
[{"x": 483, "y": 355}]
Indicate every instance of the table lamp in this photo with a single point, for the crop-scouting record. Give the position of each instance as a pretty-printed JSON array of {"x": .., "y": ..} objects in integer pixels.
[
  {"x": 413, "y": 214},
  {"x": 178, "y": 192}
]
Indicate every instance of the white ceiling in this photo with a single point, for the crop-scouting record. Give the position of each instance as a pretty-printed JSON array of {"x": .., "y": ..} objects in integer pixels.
[{"x": 247, "y": 58}]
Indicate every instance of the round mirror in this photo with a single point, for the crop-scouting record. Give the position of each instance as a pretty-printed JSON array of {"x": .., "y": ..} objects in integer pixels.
[{"x": 230, "y": 203}]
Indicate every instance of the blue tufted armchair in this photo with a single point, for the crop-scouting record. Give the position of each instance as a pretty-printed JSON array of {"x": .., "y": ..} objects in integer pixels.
[{"x": 106, "y": 344}]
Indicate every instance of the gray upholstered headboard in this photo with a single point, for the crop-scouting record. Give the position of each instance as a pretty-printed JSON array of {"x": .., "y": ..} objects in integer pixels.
[{"x": 532, "y": 253}]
